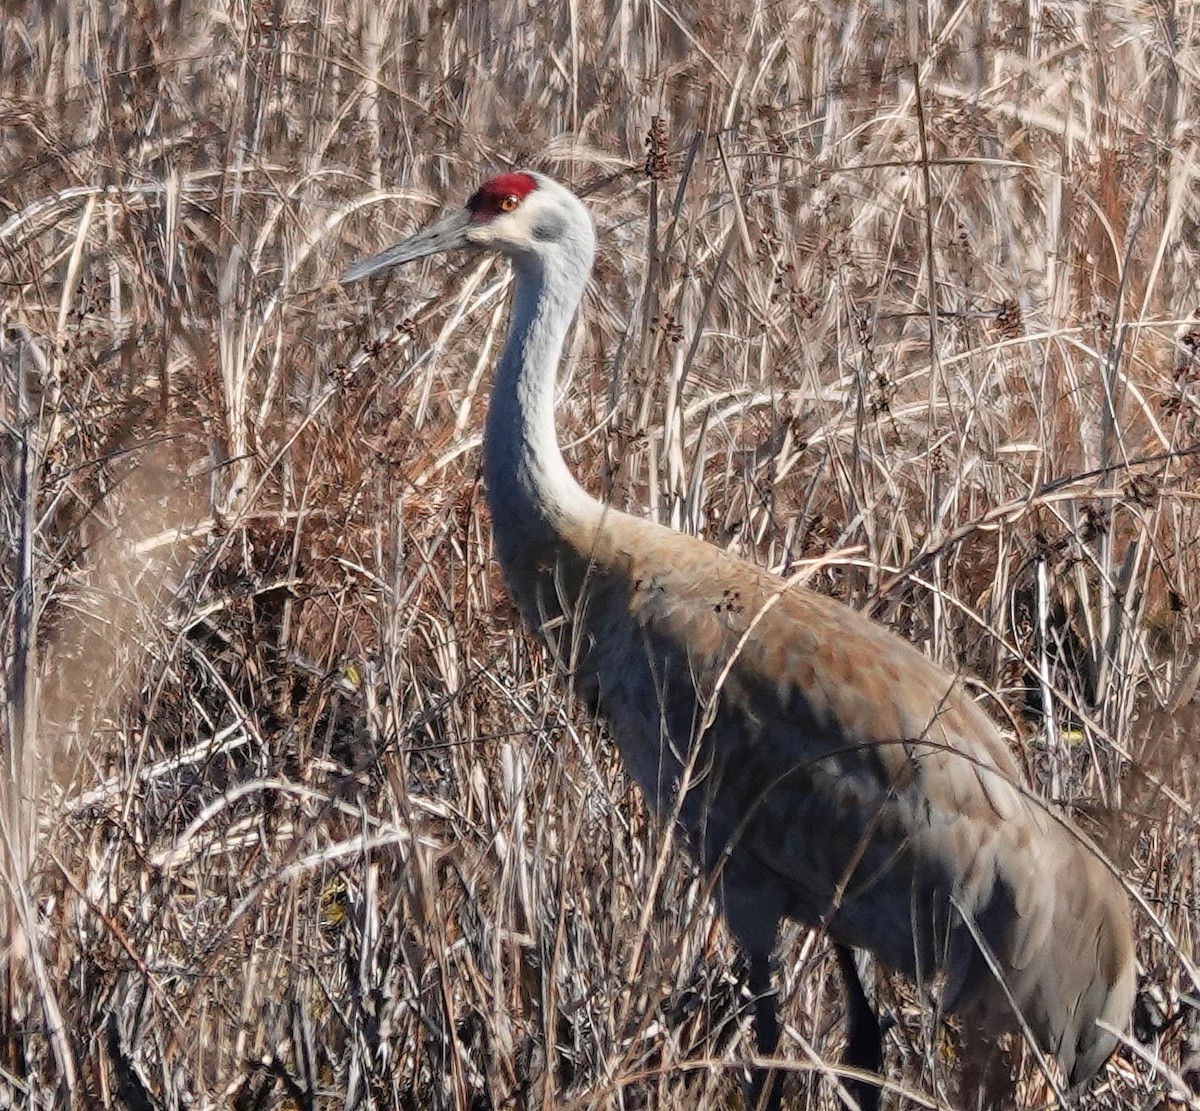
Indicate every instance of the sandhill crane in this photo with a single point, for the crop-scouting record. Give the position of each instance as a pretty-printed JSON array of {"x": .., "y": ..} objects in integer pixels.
[{"x": 821, "y": 767}]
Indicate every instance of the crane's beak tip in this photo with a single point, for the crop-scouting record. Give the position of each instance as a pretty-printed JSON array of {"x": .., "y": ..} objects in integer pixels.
[
  {"x": 364, "y": 269},
  {"x": 446, "y": 235}
]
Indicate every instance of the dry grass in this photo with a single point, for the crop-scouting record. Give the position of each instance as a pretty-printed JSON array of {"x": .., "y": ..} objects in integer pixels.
[{"x": 293, "y": 816}]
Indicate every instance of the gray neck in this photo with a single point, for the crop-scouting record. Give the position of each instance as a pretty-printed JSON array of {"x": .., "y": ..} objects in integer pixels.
[{"x": 531, "y": 493}]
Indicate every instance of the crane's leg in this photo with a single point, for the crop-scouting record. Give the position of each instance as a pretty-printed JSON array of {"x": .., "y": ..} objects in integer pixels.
[
  {"x": 766, "y": 1085},
  {"x": 985, "y": 1079},
  {"x": 753, "y": 907},
  {"x": 864, "y": 1040}
]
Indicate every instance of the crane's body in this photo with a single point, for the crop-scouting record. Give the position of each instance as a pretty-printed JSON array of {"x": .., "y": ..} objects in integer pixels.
[{"x": 830, "y": 772}]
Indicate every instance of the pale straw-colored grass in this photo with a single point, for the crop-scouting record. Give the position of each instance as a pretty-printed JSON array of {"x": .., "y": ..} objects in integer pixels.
[{"x": 303, "y": 820}]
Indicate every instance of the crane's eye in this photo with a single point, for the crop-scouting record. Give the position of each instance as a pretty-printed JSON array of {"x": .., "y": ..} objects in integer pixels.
[{"x": 507, "y": 204}]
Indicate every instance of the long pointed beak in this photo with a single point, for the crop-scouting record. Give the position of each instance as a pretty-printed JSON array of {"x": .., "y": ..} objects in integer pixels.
[{"x": 446, "y": 234}]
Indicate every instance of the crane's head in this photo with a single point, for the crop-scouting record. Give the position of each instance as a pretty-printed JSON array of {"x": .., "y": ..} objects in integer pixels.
[{"x": 526, "y": 216}]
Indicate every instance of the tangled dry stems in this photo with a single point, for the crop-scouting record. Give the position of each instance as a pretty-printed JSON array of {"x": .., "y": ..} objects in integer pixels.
[{"x": 293, "y": 815}]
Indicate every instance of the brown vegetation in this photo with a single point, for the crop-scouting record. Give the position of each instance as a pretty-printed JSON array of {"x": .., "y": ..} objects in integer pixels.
[{"x": 293, "y": 815}]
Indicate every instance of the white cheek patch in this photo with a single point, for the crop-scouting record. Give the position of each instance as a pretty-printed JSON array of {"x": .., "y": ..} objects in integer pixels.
[{"x": 517, "y": 227}]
